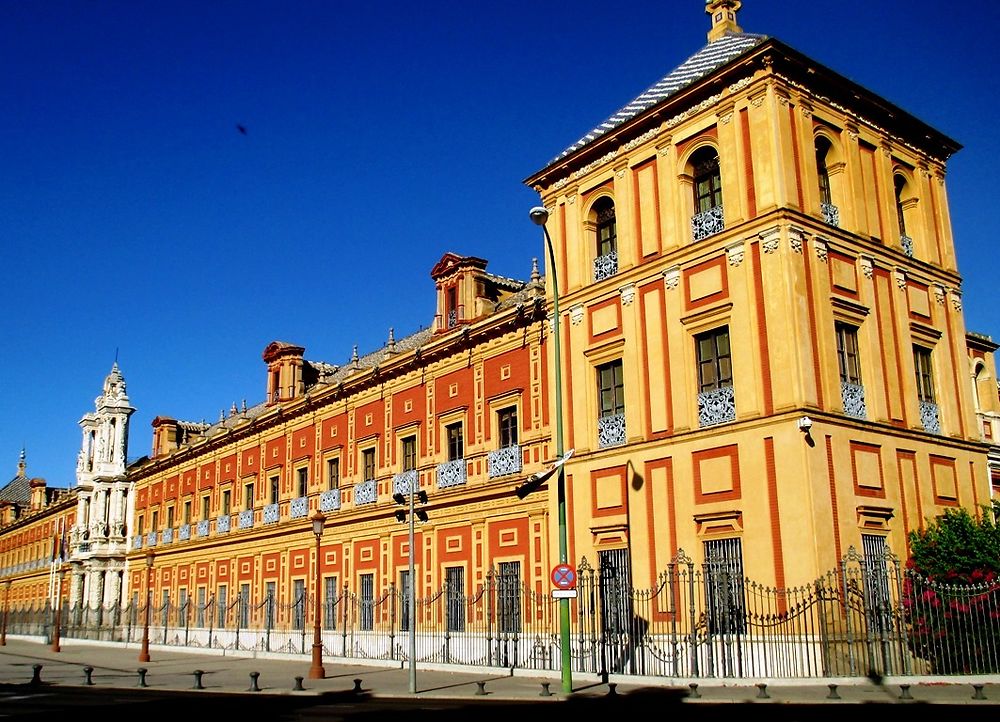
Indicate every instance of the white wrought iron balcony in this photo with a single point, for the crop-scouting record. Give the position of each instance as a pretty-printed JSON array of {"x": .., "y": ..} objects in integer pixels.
[
  {"x": 831, "y": 214},
  {"x": 502, "y": 462},
  {"x": 222, "y": 524},
  {"x": 853, "y": 398},
  {"x": 451, "y": 473},
  {"x": 452, "y": 318},
  {"x": 717, "y": 406},
  {"x": 329, "y": 500},
  {"x": 203, "y": 527},
  {"x": 168, "y": 536},
  {"x": 929, "y": 417},
  {"x": 366, "y": 492},
  {"x": 404, "y": 481},
  {"x": 605, "y": 266},
  {"x": 299, "y": 507},
  {"x": 151, "y": 539},
  {"x": 184, "y": 532},
  {"x": 137, "y": 542},
  {"x": 246, "y": 519},
  {"x": 610, "y": 431},
  {"x": 271, "y": 514},
  {"x": 707, "y": 223},
  {"x": 907, "y": 243}
]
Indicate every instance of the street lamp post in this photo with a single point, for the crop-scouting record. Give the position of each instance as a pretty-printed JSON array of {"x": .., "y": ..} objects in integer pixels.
[
  {"x": 6, "y": 607},
  {"x": 144, "y": 652},
  {"x": 539, "y": 215},
  {"x": 412, "y": 594},
  {"x": 316, "y": 670}
]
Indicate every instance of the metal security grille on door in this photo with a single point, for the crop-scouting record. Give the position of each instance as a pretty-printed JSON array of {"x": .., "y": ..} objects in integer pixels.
[
  {"x": 876, "y": 579},
  {"x": 724, "y": 586},
  {"x": 615, "y": 593}
]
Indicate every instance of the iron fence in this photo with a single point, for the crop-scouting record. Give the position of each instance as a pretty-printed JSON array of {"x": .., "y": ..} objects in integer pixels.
[{"x": 866, "y": 616}]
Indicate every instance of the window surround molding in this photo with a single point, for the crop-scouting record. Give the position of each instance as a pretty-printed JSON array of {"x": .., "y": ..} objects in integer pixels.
[
  {"x": 608, "y": 351},
  {"x": 924, "y": 335},
  {"x": 453, "y": 416},
  {"x": 874, "y": 518},
  {"x": 708, "y": 318},
  {"x": 716, "y": 524},
  {"x": 848, "y": 312}
]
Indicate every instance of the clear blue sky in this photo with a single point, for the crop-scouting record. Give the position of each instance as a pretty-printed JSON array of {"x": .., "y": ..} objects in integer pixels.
[{"x": 134, "y": 216}]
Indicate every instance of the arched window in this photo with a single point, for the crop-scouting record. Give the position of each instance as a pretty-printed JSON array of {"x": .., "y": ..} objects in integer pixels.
[
  {"x": 707, "y": 179},
  {"x": 831, "y": 214},
  {"x": 899, "y": 183},
  {"x": 606, "y": 260}
]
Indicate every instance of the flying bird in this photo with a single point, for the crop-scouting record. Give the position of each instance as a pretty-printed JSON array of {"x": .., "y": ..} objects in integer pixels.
[{"x": 242, "y": 129}]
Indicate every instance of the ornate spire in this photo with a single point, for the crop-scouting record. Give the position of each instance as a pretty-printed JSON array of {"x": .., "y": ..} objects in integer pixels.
[
  {"x": 723, "y": 13},
  {"x": 21, "y": 463},
  {"x": 354, "y": 357},
  {"x": 391, "y": 345},
  {"x": 535, "y": 276}
]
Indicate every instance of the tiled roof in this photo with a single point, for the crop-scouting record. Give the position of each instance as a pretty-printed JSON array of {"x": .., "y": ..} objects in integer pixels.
[
  {"x": 17, "y": 490},
  {"x": 709, "y": 58}
]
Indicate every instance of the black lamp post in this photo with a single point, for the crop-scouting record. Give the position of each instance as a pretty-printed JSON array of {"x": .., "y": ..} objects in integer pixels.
[{"x": 316, "y": 670}]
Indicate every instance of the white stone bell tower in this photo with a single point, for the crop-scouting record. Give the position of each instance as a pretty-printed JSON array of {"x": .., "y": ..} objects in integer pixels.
[{"x": 99, "y": 539}]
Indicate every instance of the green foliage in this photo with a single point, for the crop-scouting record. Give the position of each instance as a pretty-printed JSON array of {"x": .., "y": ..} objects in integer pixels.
[{"x": 957, "y": 544}]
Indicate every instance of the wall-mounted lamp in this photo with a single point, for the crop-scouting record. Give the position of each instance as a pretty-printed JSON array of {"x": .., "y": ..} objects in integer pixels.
[{"x": 805, "y": 424}]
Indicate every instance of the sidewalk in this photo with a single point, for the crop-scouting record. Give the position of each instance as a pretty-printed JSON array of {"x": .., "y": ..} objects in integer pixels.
[{"x": 170, "y": 668}]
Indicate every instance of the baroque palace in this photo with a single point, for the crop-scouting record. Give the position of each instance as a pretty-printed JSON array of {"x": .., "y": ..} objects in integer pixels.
[{"x": 764, "y": 366}]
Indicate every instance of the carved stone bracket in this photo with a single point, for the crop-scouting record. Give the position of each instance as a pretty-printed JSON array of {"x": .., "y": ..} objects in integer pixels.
[
  {"x": 939, "y": 293},
  {"x": 672, "y": 277},
  {"x": 867, "y": 265},
  {"x": 628, "y": 294},
  {"x": 769, "y": 239},
  {"x": 956, "y": 299},
  {"x": 795, "y": 238},
  {"x": 734, "y": 252},
  {"x": 576, "y": 315},
  {"x": 901, "y": 279},
  {"x": 822, "y": 248}
]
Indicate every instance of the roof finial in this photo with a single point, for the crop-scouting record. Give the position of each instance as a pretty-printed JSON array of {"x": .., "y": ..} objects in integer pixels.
[
  {"x": 535, "y": 277},
  {"x": 354, "y": 356},
  {"x": 21, "y": 463},
  {"x": 723, "y": 14},
  {"x": 391, "y": 345}
]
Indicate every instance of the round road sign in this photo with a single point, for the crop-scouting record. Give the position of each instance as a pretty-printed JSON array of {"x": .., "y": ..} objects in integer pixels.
[{"x": 564, "y": 576}]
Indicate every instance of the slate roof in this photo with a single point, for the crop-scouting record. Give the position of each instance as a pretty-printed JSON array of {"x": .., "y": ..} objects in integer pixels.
[
  {"x": 17, "y": 490},
  {"x": 705, "y": 61}
]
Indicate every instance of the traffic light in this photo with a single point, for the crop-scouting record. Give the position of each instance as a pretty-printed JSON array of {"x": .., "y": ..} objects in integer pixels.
[{"x": 403, "y": 500}]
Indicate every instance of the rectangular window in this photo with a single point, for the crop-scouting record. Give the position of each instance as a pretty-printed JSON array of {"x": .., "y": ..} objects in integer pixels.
[
  {"x": 330, "y": 603},
  {"x": 404, "y": 605},
  {"x": 156, "y": 521},
  {"x": 225, "y": 501},
  {"x": 269, "y": 601},
  {"x": 199, "y": 620},
  {"x": 724, "y": 593},
  {"x": 244, "y": 606},
  {"x": 302, "y": 477},
  {"x": 409, "y": 453},
  {"x": 170, "y": 517},
  {"x": 368, "y": 463},
  {"x": 507, "y": 425},
  {"x": 366, "y": 612},
  {"x": 222, "y": 603},
  {"x": 847, "y": 353},
  {"x": 299, "y": 604},
  {"x": 275, "y": 489},
  {"x": 248, "y": 496},
  {"x": 455, "y": 582},
  {"x": 139, "y": 524},
  {"x": 332, "y": 473},
  {"x": 922, "y": 368},
  {"x": 206, "y": 506},
  {"x": 611, "y": 389},
  {"x": 456, "y": 441},
  {"x": 187, "y": 512},
  {"x": 509, "y": 597},
  {"x": 715, "y": 365}
]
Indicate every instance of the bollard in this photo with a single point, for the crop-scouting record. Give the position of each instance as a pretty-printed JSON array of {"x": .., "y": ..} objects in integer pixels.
[
  {"x": 298, "y": 685},
  {"x": 694, "y": 690},
  {"x": 612, "y": 689},
  {"x": 545, "y": 690},
  {"x": 833, "y": 692},
  {"x": 762, "y": 691},
  {"x": 142, "y": 677},
  {"x": 197, "y": 678},
  {"x": 36, "y": 674},
  {"x": 357, "y": 686},
  {"x": 87, "y": 672},
  {"x": 978, "y": 694},
  {"x": 253, "y": 682},
  {"x": 904, "y": 692},
  {"x": 480, "y": 688}
]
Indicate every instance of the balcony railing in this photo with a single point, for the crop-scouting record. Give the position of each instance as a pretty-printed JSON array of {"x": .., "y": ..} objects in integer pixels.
[
  {"x": 451, "y": 473},
  {"x": 605, "y": 266},
  {"x": 271, "y": 514},
  {"x": 222, "y": 524},
  {"x": 184, "y": 532},
  {"x": 246, "y": 519},
  {"x": 299, "y": 507},
  {"x": 366, "y": 492},
  {"x": 137, "y": 542},
  {"x": 929, "y": 417},
  {"x": 707, "y": 223},
  {"x": 853, "y": 397},
  {"x": 404, "y": 481},
  {"x": 329, "y": 500},
  {"x": 151, "y": 539},
  {"x": 831, "y": 214},
  {"x": 203, "y": 527},
  {"x": 502, "y": 462},
  {"x": 717, "y": 406},
  {"x": 168, "y": 535},
  {"x": 610, "y": 431},
  {"x": 907, "y": 243}
]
